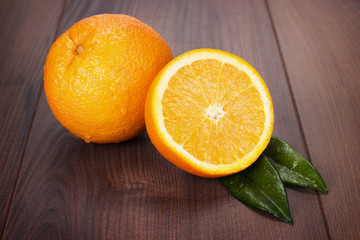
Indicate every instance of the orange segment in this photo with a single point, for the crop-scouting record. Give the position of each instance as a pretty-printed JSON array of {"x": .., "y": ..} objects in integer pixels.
[{"x": 210, "y": 113}]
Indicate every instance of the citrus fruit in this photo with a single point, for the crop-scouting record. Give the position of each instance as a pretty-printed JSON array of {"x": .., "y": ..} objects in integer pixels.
[
  {"x": 209, "y": 112},
  {"x": 97, "y": 75}
]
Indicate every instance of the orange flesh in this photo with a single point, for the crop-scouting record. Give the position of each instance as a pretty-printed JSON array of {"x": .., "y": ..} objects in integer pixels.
[{"x": 214, "y": 111}]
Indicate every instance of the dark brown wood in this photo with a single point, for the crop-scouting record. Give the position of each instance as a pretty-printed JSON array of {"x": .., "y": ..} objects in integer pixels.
[
  {"x": 320, "y": 42},
  {"x": 70, "y": 189},
  {"x": 27, "y": 28}
]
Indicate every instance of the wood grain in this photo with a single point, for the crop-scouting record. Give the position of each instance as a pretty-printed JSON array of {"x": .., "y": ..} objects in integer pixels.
[
  {"x": 25, "y": 38},
  {"x": 320, "y": 42},
  {"x": 69, "y": 189}
]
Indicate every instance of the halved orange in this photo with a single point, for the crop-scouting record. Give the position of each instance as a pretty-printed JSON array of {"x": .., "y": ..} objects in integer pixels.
[{"x": 209, "y": 112}]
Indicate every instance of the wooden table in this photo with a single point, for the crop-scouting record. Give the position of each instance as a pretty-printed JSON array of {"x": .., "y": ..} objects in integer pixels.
[{"x": 55, "y": 186}]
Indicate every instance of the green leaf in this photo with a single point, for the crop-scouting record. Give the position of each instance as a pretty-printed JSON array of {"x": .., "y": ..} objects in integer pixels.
[
  {"x": 260, "y": 186},
  {"x": 292, "y": 167}
]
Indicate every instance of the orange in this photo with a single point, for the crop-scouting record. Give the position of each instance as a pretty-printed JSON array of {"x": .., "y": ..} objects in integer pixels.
[
  {"x": 209, "y": 112},
  {"x": 97, "y": 75}
]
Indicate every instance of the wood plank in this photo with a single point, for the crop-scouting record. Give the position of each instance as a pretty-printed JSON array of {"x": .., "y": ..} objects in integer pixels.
[
  {"x": 69, "y": 189},
  {"x": 25, "y": 39},
  {"x": 320, "y": 41}
]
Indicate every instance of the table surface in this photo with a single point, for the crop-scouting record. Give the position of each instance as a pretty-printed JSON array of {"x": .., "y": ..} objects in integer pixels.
[{"x": 55, "y": 186}]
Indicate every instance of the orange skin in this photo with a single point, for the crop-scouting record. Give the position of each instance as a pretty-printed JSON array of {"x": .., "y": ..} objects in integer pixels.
[{"x": 97, "y": 75}]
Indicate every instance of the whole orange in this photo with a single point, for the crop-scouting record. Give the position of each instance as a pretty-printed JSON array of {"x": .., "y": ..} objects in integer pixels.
[{"x": 97, "y": 75}]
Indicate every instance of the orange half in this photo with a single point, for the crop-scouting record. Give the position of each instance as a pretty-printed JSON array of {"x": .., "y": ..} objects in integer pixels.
[{"x": 209, "y": 112}]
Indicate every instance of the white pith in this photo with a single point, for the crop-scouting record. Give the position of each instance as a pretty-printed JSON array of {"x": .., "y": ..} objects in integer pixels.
[{"x": 214, "y": 113}]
